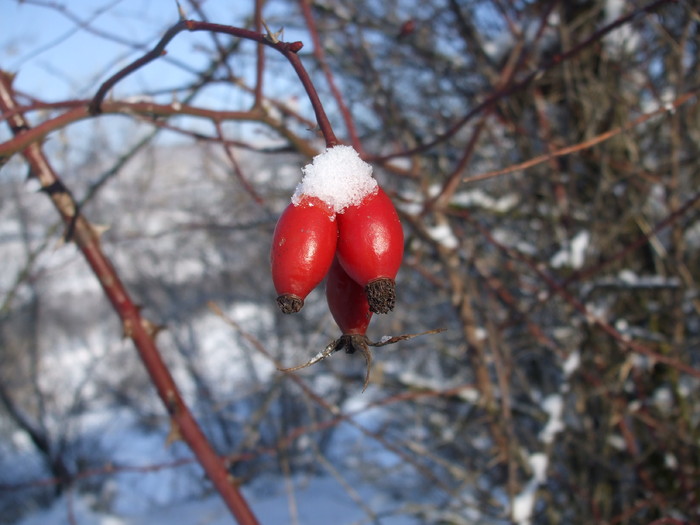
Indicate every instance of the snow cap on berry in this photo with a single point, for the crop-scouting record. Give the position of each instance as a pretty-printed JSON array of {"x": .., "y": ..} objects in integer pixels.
[{"x": 338, "y": 177}]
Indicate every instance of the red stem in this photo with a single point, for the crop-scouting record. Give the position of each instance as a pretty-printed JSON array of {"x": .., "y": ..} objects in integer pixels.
[
  {"x": 79, "y": 111},
  {"x": 260, "y": 56},
  {"x": 288, "y": 49},
  {"x": 320, "y": 56},
  {"x": 139, "y": 329}
]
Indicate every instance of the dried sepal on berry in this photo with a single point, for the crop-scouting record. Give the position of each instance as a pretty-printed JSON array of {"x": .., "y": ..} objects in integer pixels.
[{"x": 352, "y": 343}]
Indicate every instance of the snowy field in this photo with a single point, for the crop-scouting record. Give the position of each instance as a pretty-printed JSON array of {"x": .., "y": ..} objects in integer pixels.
[{"x": 315, "y": 501}]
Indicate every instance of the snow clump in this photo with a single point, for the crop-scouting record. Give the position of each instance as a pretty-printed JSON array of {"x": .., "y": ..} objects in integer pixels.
[{"x": 338, "y": 177}]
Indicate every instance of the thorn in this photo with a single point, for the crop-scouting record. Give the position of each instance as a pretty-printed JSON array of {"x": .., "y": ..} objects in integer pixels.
[
  {"x": 99, "y": 229},
  {"x": 151, "y": 328},
  {"x": 61, "y": 242},
  {"x": 173, "y": 433},
  {"x": 270, "y": 36},
  {"x": 175, "y": 104},
  {"x": 181, "y": 12},
  {"x": 127, "y": 329}
]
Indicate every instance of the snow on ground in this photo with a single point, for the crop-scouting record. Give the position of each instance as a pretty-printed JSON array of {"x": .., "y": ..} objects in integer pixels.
[
  {"x": 313, "y": 501},
  {"x": 172, "y": 495},
  {"x": 318, "y": 502},
  {"x": 525, "y": 501}
]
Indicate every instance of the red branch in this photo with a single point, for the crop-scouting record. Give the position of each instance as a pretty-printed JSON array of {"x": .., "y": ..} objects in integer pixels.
[
  {"x": 141, "y": 331},
  {"x": 321, "y": 57},
  {"x": 79, "y": 111},
  {"x": 288, "y": 49}
]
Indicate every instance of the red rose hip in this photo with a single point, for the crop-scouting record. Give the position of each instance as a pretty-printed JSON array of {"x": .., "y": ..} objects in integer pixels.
[
  {"x": 348, "y": 305},
  {"x": 303, "y": 246},
  {"x": 370, "y": 248},
  {"x": 347, "y": 301}
]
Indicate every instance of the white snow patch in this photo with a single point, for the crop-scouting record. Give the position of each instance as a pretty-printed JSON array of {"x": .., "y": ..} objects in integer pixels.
[
  {"x": 443, "y": 234},
  {"x": 499, "y": 47},
  {"x": 481, "y": 333},
  {"x": 663, "y": 399},
  {"x": 574, "y": 254},
  {"x": 338, "y": 177},
  {"x": 524, "y": 503},
  {"x": 481, "y": 199},
  {"x": 579, "y": 244},
  {"x": 511, "y": 239},
  {"x": 470, "y": 395},
  {"x": 624, "y": 39},
  {"x": 554, "y": 406},
  {"x": 221, "y": 351},
  {"x": 617, "y": 442},
  {"x": 416, "y": 381},
  {"x": 628, "y": 276},
  {"x": 572, "y": 363},
  {"x": 671, "y": 461},
  {"x": 413, "y": 207},
  {"x": 538, "y": 464}
]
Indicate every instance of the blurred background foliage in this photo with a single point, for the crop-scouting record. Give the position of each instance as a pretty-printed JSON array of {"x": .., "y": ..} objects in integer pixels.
[{"x": 544, "y": 156}]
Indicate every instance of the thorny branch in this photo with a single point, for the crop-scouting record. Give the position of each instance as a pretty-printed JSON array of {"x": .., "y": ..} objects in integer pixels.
[{"x": 140, "y": 330}]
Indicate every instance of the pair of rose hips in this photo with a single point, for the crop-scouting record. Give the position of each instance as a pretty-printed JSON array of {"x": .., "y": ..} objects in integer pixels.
[{"x": 359, "y": 251}]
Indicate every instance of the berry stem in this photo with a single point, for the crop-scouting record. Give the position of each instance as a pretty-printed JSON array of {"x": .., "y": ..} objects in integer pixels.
[{"x": 288, "y": 49}]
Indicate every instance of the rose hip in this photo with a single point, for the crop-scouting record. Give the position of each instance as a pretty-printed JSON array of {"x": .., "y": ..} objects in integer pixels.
[
  {"x": 370, "y": 248},
  {"x": 303, "y": 246}
]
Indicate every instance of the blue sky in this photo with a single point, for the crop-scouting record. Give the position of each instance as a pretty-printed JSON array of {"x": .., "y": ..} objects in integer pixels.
[{"x": 55, "y": 59}]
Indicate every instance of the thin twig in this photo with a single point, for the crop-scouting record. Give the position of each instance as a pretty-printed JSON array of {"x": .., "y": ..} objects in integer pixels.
[
  {"x": 589, "y": 143},
  {"x": 518, "y": 86},
  {"x": 287, "y": 49}
]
